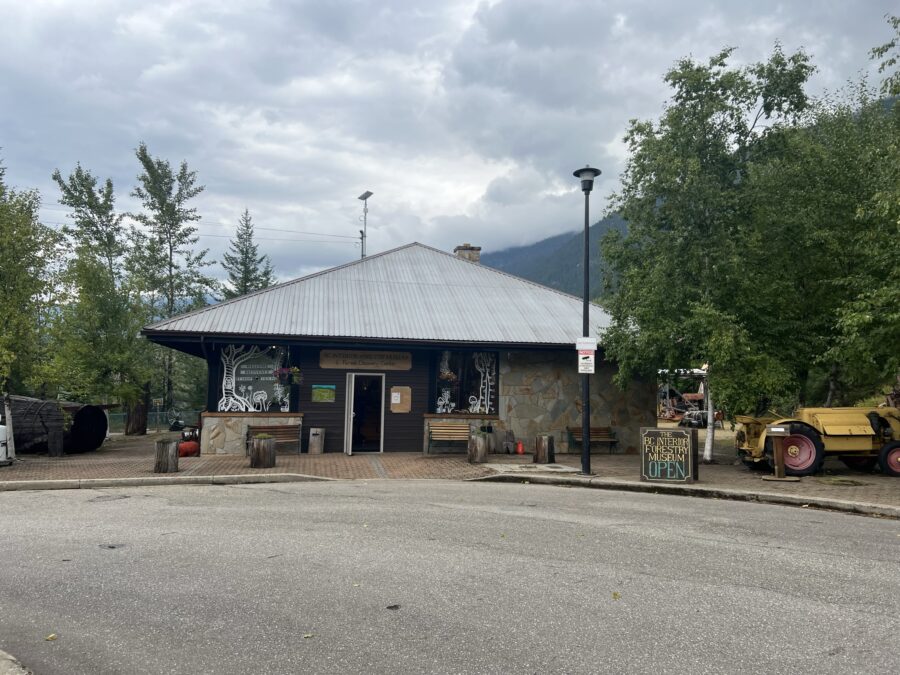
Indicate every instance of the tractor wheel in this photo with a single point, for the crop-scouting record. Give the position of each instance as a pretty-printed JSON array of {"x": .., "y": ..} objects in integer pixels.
[
  {"x": 803, "y": 451},
  {"x": 889, "y": 459},
  {"x": 859, "y": 463}
]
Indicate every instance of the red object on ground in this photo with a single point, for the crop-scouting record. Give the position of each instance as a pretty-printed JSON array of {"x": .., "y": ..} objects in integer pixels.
[
  {"x": 520, "y": 448},
  {"x": 189, "y": 449}
]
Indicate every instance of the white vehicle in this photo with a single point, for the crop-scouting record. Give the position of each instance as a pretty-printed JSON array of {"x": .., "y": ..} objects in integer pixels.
[{"x": 4, "y": 448}]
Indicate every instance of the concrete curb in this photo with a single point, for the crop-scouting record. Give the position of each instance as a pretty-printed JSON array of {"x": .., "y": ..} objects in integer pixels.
[
  {"x": 694, "y": 490},
  {"x": 91, "y": 483},
  {"x": 9, "y": 665},
  {"x": 844, "y": 506}
]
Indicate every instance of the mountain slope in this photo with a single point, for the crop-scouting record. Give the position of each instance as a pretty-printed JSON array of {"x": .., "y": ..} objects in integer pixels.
[{"x": 556, "y": 261}]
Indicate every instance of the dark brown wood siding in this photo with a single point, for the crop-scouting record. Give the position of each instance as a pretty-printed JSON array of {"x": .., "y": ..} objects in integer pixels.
[{"x": 402, "y": 431}]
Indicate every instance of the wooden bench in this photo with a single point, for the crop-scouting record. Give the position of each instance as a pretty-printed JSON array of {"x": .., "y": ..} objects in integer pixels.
[
  {"x": 287, "y": 436},
  {"x": 598, "y": 435},
  {"x": 447, "y": 431}
]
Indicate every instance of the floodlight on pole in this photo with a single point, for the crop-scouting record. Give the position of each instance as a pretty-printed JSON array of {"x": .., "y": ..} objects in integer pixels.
[
  {"x": 365, "y": 200},
  {"x": 587, "y": 176}
]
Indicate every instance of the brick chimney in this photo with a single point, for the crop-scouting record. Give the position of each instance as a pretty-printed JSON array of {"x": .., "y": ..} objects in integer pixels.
[{"x": 468, "y": 252}]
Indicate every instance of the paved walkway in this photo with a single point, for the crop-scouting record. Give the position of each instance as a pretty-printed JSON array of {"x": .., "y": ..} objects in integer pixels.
[
  {"x": 133, "y": 458},
  {"x": 121, "y": 457}
]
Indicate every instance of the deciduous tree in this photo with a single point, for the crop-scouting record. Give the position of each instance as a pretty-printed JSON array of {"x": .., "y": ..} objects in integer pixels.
[
  {"x": 675, "y": 276},
  {"x": 28, "y": 251},
  {"x": 97, "y": 353},
  {"x": 165, "y": 262}
]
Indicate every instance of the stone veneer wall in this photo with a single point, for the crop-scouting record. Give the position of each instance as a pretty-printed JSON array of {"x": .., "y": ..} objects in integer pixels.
[
  {"x": 228, "y": 435},
  {"x": 540, "y": 393}
]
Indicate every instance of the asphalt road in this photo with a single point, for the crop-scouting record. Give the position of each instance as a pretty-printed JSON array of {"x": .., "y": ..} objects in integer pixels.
[{"x": 428, "y": 576}]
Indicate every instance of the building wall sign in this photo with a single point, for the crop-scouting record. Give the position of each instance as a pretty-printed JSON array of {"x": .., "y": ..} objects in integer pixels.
[
  {"x": 669, "y": 455},
  {"x": 351, "y": 360}
]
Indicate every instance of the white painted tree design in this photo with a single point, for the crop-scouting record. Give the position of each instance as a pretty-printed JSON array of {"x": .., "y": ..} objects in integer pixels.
[
  {"x": 484, "y": 364},
  {"x": 232, "y": 357}
]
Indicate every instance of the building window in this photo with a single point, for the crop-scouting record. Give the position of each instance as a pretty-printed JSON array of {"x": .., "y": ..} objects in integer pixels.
[
  {"x": 252, "y": 379},
  {"x": 466, "y": 383}
]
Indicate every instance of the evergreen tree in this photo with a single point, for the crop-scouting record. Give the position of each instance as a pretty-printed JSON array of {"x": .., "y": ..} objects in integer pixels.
[{"x": 247, "y": 270}]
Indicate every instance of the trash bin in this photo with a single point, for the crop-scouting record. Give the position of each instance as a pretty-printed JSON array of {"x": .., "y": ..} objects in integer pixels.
[{"x": 316, "y": 441}]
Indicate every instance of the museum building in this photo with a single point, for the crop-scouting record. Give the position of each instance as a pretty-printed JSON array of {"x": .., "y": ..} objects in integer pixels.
[{"x": 370, "y": 353}]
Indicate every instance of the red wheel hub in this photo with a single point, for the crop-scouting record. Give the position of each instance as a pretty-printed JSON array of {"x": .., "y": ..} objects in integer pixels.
[
  {"x": 893, "y": 459},
  {"x": 799, "y": 452}
]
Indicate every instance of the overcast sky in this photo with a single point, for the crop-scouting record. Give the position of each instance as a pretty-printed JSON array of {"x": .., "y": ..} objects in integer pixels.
[{"x": 465, "y": 119}]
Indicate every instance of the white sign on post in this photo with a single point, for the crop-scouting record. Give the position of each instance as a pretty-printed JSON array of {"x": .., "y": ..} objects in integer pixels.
[
  {"x": 586, "y": 343},
  {"x": 586, "y": 361}
]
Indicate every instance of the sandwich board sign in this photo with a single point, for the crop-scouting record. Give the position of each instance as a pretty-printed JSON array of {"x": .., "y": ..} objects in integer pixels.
[{"x": 669, "y": 455}]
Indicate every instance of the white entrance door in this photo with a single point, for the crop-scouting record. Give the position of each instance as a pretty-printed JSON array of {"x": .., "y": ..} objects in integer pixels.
[{"x": 364, "y": 413}]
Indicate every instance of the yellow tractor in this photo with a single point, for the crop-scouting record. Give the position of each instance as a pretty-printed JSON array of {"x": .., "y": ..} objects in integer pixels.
[{"x": 860, "y": 437}]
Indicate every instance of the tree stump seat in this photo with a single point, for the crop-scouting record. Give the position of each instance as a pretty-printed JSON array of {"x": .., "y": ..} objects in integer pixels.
[{"x": 286, "y": 436}]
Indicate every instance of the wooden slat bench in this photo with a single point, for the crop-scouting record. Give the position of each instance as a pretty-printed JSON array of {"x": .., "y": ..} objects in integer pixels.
[
  {"x": 287, "y": 436},
  {"x": 447, "y": 431},
  {"x": 598, "y": 435}
]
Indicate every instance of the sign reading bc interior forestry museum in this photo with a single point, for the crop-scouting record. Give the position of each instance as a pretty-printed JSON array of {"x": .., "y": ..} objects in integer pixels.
[
  {"x": 343, "y": 358},
  {"x": 669, "y": 455}
]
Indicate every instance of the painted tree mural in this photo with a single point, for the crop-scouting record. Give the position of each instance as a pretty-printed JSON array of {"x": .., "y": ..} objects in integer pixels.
[{"x": 232, "y": 357}]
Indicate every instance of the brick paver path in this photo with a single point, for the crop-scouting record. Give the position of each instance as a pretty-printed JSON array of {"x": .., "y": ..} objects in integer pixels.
[{"x": 133, "y": 458}]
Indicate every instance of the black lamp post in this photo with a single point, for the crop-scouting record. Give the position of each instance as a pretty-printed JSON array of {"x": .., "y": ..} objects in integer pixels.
[{"x": 587, "y": 176}]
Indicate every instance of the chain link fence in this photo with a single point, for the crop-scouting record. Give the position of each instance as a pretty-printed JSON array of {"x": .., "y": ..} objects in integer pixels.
[{"x": 161, "y": 420}]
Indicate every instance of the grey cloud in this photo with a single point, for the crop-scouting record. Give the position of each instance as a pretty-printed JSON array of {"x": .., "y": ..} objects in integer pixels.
[{"x": 465, "y": 118}]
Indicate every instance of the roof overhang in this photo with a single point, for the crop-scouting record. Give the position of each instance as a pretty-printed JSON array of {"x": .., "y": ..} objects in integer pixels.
[{"x": 199, "y": 345}]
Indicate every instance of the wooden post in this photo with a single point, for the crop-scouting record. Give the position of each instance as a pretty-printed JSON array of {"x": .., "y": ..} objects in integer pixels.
[
  {"x": 262, "y": 453},
  {"x": 779, "y": 456},
  {"x": 509, "y": 442},
  {"x": 55, "y": 442},
  {"x": 544, "y": 451},
  {"x": 491, "y": 438},
  {"x": 166, "y": 457},
  {"x": 477, "y": 450}
]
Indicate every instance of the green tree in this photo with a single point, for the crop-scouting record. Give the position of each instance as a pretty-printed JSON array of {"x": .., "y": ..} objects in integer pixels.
[
  {"x": 97, "y": 353},
  {"x": 97, "y": 229},
  {"x": 247, "y": 270},
  {"x": 869, "y": 320},
  {"x": 675, "y": 279},
  {"x": 825, "y": 245},
  {"x": 164, "y": 263},
  {"x": 28, "y": 251},
  {"x": 890, "y": 53}
]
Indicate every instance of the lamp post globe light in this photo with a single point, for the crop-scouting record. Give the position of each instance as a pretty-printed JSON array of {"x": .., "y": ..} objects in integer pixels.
[{"x": 586, "y": 176}]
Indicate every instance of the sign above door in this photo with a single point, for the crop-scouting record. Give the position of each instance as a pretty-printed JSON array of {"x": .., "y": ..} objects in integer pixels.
[{"x": 352, "y": 360}]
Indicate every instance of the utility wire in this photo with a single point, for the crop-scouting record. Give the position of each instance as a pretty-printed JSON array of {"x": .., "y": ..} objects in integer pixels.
[
  {"x": 309, "y": 241},
  {"x": 270, "y": 229}
]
